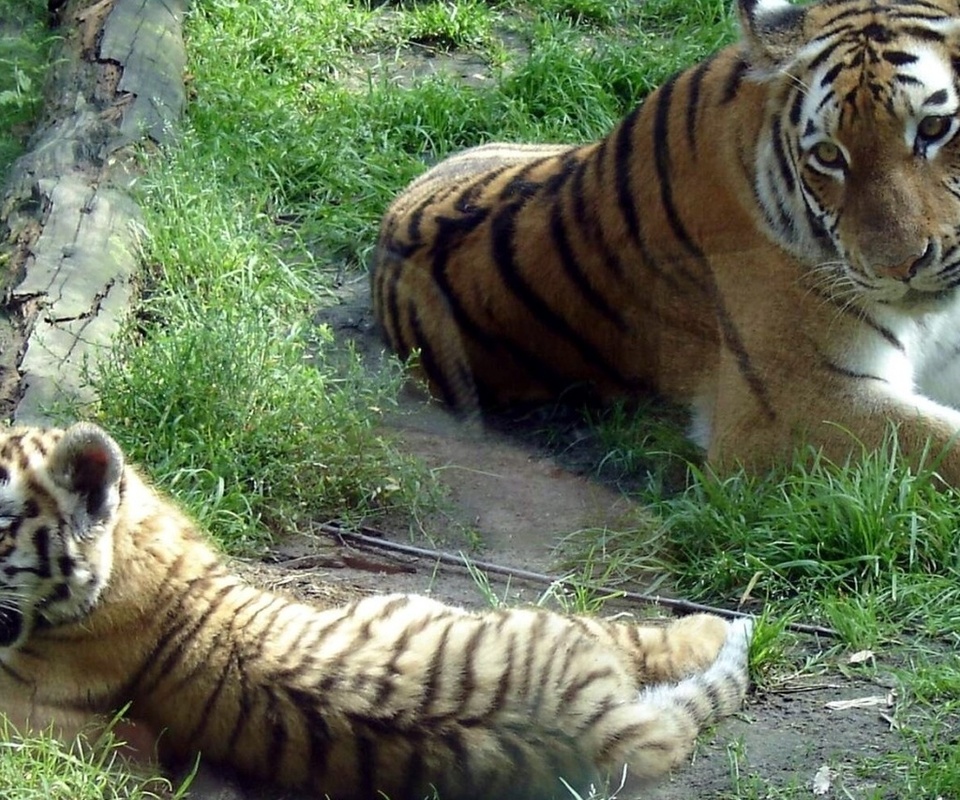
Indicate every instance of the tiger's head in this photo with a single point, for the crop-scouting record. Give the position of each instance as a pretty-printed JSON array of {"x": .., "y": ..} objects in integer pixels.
[
  {"x": 858, "y": 166},
  {"x": 59, "y": 495}
]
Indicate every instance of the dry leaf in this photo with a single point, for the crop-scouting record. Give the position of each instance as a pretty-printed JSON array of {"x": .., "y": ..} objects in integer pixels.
[
  {"x": 861, "y": 656},
  {"x": 821, "y": 781},
  {"x": 860, "y": 702}
]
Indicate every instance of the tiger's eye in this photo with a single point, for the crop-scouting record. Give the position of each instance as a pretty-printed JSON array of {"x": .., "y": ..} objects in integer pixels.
[
  {"x": 931, "y": 129},
  {"x": 829, "y": 155}
]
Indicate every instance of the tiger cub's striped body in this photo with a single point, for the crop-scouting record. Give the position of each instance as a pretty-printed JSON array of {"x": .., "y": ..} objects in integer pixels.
[
  {"x": 109, "y": 596},
  {"x": 772, "y": 238}
]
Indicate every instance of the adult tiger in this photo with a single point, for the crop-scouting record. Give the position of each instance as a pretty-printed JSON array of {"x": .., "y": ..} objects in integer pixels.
[{"x": 773, "y": 238}]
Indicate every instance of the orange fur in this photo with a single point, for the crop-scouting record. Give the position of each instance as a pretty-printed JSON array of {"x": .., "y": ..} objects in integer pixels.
[
  {"x": 111, "y": 599},
  {"x": 708, "y": 249}
]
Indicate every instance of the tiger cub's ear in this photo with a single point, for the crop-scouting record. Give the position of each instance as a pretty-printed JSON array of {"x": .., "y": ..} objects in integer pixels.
[
  {"x": 88, "y": 463},
  {"x": 772, "y": 32}
]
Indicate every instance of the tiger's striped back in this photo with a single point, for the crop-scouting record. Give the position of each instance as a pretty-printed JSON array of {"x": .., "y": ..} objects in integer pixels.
[
  {"x": 109, "y": 598},
  {"x": 770, "y": 238}
]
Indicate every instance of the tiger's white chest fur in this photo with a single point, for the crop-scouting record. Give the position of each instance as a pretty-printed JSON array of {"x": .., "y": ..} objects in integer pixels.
[
  {"x": 935, "y": 348},
  {"x": 912, "y": 357}
]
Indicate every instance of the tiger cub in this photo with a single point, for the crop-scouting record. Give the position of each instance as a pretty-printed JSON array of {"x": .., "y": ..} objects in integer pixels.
[
  {"x": 772, "y": 238},
  {"x": 110, "y": 596}
]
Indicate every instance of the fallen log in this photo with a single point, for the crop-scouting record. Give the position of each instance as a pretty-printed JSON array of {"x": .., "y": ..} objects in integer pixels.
[{"x": 68, "y": 225}]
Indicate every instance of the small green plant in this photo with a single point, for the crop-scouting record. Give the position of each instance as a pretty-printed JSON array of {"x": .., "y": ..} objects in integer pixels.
[
  {"x": 43, "y": 768},
  {"x": 446, "y": 25},
  {"x": 252, "y": 429},
  {"x": 591, "y": 12},
  {"x": 768, "y": 648},
  {"x": 818, "y": 530},
  {"x": 25, "y": 45},
  {"x": 645, "y": 440}
]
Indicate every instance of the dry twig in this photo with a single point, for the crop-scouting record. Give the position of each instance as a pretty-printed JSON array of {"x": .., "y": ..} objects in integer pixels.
[{"x": 376, "y": 539}]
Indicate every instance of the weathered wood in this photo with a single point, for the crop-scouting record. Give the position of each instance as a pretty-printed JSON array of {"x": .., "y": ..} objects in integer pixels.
[{"x": 70, "y": 226}]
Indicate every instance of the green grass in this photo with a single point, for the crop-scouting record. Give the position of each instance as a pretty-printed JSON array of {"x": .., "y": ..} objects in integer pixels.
[
  {"x": 24, "y": 48},
  {"x": 41, "y": 768},
  {"x": 306, "y": 119}
]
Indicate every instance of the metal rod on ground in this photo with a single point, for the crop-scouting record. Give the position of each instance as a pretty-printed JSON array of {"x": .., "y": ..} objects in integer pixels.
[{"x": 378, "y": 541}]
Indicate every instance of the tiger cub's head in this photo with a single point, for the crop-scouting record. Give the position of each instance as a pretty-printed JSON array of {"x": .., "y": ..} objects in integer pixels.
[
  {"x": 59, "y": 494},
  {"x": 858, "y": 162}
]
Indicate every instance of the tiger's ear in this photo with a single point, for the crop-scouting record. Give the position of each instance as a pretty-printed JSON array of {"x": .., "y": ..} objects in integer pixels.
[
  {"x": 88, "y": 463},
  {"x": 772, "y": 32}
]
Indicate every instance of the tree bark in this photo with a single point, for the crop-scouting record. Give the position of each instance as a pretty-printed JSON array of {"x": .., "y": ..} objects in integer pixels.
[{"x": 68, "y": 222}]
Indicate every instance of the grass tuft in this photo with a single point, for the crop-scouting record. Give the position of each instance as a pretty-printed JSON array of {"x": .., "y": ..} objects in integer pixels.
[
  {"x": 859, "y": 538},
  {"x": 43, "y": 768},
  {"x": 25, "y": 45}
]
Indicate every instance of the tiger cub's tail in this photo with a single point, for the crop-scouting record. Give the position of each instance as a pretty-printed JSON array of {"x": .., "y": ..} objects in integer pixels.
[{"x": 660, "y": 729}]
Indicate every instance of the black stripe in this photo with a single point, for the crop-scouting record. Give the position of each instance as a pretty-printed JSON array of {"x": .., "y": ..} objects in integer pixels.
[
  {"x": 827, "y": 53},
  {"x": 520, "y": 189},
  {"x": 16, "y": 676},
  {"x": 465, "y": 203},
  {"x": 429, "y": 362},
  {"x": 41, "y": 543},
  {"x": 603, "y": 708},
  {"x": 277, "y": 734},
  {"x": 575, "y": 272},
  {"x": 414, "y": 771},
  {"x": 431, "y": 688},
  {"x": 207, "y": 713},
  {"x": 391, "y": 320},
  {"x": 827, "y": 98},
  {"x": 862, "y": 316},
  {"x": 460, "y": 758},
  {"x": 783, "y": 222},
  {"x": 179, "y": 636},
  {"x": 783, "y": 163},
  {"x": 506, "y": 675},
  {"x": 899, "y": 58},
  {"x": 815, "y": 222},
  {"x": 275, "y": 608},
  {"x": 662, "y": 160},
  {"x": 467, "y": 684},
  {"x": 849, "y": 373},
  {"x": 911, "y": 10},
  {"x": 693, "y": 101},
  {"x": 450, "y": 233},
  {"x": 831, "y": 74},
  {"x": 920, "y": 32},
  {"x": 504, "y": 256},
  {"x": 173, "y": 613},
  {"x": 903, "y": 80},
  {"x": 531, "y": 680},
  {"x": 626, "y": 202},
  {"x": 604, "y": 751},
  {"x": 623, "y": 155},
  {"x": 318, "y": 730},
  {"x": 574, "y": 688},
  {"x": 733, "y": 81},
  {"x": 796, "y": 106},
  {"x": 847, "y": 13},
  {"x": 731, "y": 339},
  {"x": 243, "y": 711}
]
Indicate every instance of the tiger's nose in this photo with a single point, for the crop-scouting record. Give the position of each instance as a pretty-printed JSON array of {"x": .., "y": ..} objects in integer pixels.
[{"x": 908, "y": 268}]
